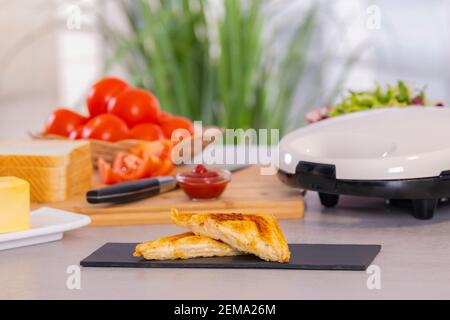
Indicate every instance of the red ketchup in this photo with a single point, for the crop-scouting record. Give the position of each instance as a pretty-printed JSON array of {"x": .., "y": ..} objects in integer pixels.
[{"x": 204, "y": 184}]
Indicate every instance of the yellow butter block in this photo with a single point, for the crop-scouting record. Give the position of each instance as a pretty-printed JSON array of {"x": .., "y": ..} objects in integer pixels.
[{"x": 14, "y": 204}]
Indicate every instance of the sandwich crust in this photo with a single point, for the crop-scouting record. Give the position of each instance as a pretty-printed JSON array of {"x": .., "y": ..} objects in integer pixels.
[
  {"x": 184, "y": 246},
  {"x": 254, "y": 233}
]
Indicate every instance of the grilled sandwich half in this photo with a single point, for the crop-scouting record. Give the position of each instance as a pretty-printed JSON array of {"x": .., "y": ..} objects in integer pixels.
[
  {"x": 256, "y": 234},
  {"x": 184, "y": 246}
]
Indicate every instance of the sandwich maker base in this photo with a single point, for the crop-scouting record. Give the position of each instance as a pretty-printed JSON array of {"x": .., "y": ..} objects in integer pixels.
[
  {"x": 303, "y": 257},
  {"x": 399, "y": 154},
  {"x": 431, "y": 191}
]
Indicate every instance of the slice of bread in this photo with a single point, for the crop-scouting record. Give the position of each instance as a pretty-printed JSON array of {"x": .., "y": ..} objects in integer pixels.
[
  {"x": 184, "y": 246},
  {"x": 56, "y": 170},
  {"x": 42, "y": 153}
]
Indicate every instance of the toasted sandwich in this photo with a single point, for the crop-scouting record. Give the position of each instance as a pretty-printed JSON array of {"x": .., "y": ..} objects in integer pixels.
[
  {"x": 184, "y": 246},
  {"x": 256, "y": 234}
]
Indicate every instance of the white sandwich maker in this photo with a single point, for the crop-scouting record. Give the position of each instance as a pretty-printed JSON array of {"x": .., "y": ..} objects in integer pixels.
[{"x": 394, "y": 153}]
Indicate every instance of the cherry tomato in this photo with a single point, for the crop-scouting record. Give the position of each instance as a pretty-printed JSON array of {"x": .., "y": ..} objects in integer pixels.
[
  {"x": 102, "y": 92},
  {"x": 106, "y": 172},
  {"x": 135, "y": 106},
  {"x": 63, "y": 121},
  {"x": 170, "y": 125},
  {"x": 106, "y": 127},
  {"x": 76, "y": 133},
  {"x": 129, "y": 167},
  {"x": 147, "y": 131},
  {"x": 163, "y": 116}
]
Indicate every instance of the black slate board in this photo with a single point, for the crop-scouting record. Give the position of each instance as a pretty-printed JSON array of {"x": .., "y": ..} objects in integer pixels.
[{"x": 304, "y": 257}]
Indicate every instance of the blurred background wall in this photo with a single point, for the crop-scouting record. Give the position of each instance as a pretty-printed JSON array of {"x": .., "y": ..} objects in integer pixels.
[
  {"x": 28, "y": 79},
  {"x": 44, "y": 61},
  {"x": 48, "y": 60},
  {"x": 412, "y": 43}
]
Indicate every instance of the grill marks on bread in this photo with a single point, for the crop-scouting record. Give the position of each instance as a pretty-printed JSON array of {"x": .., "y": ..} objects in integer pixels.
[{"x": 256, "y": 234}]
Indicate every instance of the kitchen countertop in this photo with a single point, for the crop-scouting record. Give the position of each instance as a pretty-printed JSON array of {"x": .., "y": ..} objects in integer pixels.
[{"x": 414, "y": 262}]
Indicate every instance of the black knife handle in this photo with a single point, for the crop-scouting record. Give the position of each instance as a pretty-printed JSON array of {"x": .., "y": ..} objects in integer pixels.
[{"x": 125, "y": 192}]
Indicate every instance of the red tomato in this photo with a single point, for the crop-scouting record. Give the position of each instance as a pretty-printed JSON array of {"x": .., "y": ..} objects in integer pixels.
[
  {"x": 129, "y": 167},
  {"x": 149, "y": 159},
  {"x": 174, "y": 123},
  {"x": 135, "y": 106},
  {"x": 161, "y": 149},
  {"x": 164, "y": 168},
  {"x": 147, "y": 131},
  {"x": 160, "y": 154},
  {"x": 106, "y": 127},
  {"x": 62, "y": 122},
  {"x": 163, "y": 116},
  {"x": 76, "y": 133},
  {"x": 106, "y": 172},
  {"x": 102, "y": 92}
]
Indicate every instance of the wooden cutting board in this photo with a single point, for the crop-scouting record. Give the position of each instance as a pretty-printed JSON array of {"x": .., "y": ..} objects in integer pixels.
[{"x": 249, "y": 192}]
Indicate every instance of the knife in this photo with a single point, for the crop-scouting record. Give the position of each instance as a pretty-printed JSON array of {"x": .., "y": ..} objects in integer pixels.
[
  {"x": 132, "y": 191},
  {"x": 141, "y": 189}
]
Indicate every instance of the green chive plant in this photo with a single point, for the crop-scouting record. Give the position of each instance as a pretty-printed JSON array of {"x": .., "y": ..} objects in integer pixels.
[{"x": 226, "y": 62}]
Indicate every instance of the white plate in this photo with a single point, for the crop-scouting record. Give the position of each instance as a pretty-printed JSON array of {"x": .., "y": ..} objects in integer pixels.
[{"x": 46, "y": 225}]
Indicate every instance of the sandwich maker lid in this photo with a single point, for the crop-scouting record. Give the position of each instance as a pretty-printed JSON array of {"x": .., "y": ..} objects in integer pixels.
[{"x": 383, "y": 144}]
